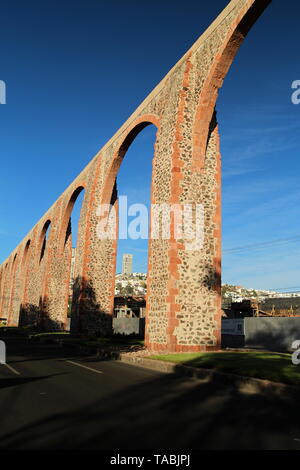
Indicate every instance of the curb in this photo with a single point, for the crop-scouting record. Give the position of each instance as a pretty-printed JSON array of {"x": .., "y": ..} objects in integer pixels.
[{"x": 245, "y": 384}]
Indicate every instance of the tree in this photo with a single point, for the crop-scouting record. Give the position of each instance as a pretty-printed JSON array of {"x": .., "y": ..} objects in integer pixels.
[
  {"x": 119, "y": 287},
  {"x": 128, "y": 290}
]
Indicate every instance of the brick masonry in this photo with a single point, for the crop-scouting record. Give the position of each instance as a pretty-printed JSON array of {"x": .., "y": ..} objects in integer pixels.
[{"x": 183, "y": 300}]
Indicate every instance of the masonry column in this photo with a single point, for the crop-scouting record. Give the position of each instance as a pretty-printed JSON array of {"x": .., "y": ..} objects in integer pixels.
[{"x": 189, "y": 319}]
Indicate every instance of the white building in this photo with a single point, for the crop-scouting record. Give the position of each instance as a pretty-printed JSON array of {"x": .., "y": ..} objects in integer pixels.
[{"x": 127, "y": 264}]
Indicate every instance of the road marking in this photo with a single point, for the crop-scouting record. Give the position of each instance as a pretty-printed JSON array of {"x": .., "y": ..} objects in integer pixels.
[
  {"x": 12, "y": 369},
  {"x": 85, "y": 367}
]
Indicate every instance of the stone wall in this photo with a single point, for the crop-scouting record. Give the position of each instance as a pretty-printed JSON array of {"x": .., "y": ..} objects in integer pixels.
[
  {"x": 273, "y": 334},
  {"x": 129, "y": 326}
]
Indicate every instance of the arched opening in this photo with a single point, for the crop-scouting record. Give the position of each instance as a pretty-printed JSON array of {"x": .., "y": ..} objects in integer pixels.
[
  {"x": 24, "y": 274},
  {"x": 3, "y": 294},
  {"x": 12, "y": 291},
  {"x": 25, "y": 254},
  {"x": 131, "y": 182},
  {"x": 1, "y": 287},
  {"x": 259, "y": 149},
  {"x": 218, "y": 72},
  {"x": 43, "y": 239},
  {"x": 72, "y": 215},
  {"x": 70, "y": 237}
]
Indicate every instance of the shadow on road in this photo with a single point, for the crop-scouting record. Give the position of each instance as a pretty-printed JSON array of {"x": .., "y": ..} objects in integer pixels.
[
  {"x": 15, "y": 381},
  {"x": 165, "y": 412}
]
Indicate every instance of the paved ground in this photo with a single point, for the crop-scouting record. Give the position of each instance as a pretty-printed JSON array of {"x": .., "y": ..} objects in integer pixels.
[{"x": 53, "y": 400}]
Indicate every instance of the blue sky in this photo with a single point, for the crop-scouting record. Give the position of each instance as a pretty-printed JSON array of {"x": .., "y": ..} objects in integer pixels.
[{"x": 76, "y": 71}]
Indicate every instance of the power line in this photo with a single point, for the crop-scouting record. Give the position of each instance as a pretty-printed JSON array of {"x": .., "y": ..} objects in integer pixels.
[
  {"x": 285, "y": 288},
  {"x": 294, "y": 292},
  {"x": 266, "y": 244}
]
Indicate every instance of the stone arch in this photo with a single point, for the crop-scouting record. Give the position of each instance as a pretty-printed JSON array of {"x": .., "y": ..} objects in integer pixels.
[
  {"x": 205, "y": 143},
  {"x": 24, "y": 275},
  {"x": 43, "y": 261},
  {"x": 57, "y": 280},
  {"x": 65, "y": 223},
  {"x": 95, "y": 299},
  {"x": 25, "y": 269},
  {"x": 131, "y": 133},
  {"x": 217, "y": 73},
  {"x": 3, "y": 289},
  {"x": 1, "y": 280},
  {"x": 12, "y": 290},
  {"x": 110, "y": 189},
  {"x": 1, "y": 285},
  {"x": 26, "y": 253},
  {"x": 8, "y": 286}
]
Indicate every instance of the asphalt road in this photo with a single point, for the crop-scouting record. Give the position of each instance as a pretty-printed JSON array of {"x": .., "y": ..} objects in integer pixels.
[{"x": 50, "y": 399}]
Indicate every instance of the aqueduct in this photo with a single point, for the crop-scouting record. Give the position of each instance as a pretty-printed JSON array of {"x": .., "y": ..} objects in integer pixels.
[{"x": 183, "y": 287}]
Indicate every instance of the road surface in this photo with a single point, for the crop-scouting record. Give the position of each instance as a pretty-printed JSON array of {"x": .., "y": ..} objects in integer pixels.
[{"x": 51, "y": 399}]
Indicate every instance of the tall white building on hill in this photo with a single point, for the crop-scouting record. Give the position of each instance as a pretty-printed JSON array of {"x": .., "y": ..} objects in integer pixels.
[{"x": 127, "y": 264}]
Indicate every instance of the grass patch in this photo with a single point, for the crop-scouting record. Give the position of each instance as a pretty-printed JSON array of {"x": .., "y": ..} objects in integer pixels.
[
  {"x": 94, "y": 342},
  {"x": 65, "y": 338},
  {"x": 276, "y": 367},
  {"x": 50, "y": 334}
]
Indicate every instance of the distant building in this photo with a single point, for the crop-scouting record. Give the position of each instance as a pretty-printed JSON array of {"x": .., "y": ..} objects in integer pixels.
[
  {"x": 127, "y": 264},
  {"x": 131, "y": 284},
  {"x": 285, "y": 306},
  {"x": 272, "y": 307},
  {"x": 130, "y": 307}
]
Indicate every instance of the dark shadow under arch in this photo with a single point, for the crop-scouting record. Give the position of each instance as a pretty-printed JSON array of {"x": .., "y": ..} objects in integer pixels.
[
  {"x": 43, "y": 239},
  {"x": 66, "y": 223}
]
